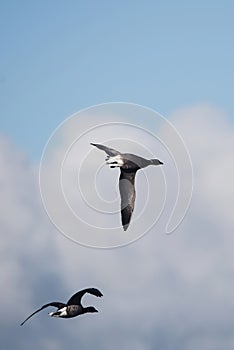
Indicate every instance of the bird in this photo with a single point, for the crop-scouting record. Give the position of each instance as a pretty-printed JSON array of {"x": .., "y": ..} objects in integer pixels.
[
  {"x": 72, "y": 308},
  {"x": 129, "y": 164}
]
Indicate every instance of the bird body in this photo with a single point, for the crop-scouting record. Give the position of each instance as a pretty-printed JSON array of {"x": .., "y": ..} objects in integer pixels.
[
  {"x": 72, "y": 308},
  {"x": 70, "y": 311},
  {"x": 129, "y": 164}
]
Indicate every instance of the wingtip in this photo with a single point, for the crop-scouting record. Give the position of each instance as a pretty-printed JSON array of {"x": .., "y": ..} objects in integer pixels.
[
  {"x": 97, "y": 292},
  {"x": 100, "y": 294},
  {"x": 125, "y": 227}
]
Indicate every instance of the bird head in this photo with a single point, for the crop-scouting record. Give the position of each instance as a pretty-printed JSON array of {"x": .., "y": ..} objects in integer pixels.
[
  {"x": 156, "y": 162},
  {"x": 91, "y": 309}
]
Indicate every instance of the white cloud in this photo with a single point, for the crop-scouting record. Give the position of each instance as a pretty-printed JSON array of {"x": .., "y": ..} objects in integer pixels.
[{"x": 173, "y": 292}]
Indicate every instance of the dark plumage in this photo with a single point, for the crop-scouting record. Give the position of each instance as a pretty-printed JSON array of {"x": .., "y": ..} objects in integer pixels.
[
  {"x": 129, "y": 164},
  {"x": 72, "y": 308}
]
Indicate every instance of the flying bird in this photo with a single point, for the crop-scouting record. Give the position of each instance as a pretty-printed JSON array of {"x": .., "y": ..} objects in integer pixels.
[
  {"x": 72, "y": 308},
  {"x": 129, "y": 164}
]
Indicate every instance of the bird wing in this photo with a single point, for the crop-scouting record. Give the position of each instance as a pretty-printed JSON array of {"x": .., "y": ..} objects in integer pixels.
[
  {"x": 76, "y": 298},
  {"x": 54, "y": 303},
  {"x": 110, "y": 151},
  {"x": 128, "y": 195}
]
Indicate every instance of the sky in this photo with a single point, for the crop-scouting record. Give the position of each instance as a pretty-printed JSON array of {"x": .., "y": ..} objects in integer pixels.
[
  {"x": 57, "y": 58},
  {"x": 161, "y": 291}
]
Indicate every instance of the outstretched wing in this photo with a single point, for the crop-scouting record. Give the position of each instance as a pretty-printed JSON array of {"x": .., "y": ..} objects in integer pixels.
[
  {"x": 110, "y": 151},
  {"x": 128, "y": 195},
  {"x": 76, "y": 298},
  {"x": 55, "y": 304}
]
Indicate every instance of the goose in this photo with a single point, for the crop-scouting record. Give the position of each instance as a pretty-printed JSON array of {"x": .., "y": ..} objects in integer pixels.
[
  {"x": 72, "y": 308},
  {"x": 129, "y": 164}
]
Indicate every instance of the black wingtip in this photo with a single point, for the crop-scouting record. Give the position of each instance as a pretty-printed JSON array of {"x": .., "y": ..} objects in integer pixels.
[
  {"x": 126, "y": 215},
  {"x": 96, "y": 292},
  {"x": 99, "y": 294}
]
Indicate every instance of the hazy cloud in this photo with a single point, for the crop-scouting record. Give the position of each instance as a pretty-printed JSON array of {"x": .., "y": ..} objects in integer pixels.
[{"x": 164, "y": 292}]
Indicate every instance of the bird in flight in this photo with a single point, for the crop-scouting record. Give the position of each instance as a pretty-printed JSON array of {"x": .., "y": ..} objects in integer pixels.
[
  {"x": 72, "y": 308},
  {"x": 129, "y": 164}
]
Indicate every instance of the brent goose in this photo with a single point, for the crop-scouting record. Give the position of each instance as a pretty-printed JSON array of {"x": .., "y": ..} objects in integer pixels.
[
  {"x": 128, "y": 164},
  {"x": 72, "y": 308}
]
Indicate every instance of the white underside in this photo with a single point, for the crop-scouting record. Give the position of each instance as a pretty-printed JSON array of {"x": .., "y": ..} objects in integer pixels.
[
  {"x": 115, "y": 161},
  {"x": 62, "y": 312}
]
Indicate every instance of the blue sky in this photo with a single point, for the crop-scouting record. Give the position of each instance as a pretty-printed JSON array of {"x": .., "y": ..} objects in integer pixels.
[{"x": 58, "y": 57}]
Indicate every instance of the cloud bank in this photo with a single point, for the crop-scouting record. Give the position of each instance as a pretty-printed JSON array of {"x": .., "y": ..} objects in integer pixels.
[{"x": 164, "y": 292}]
